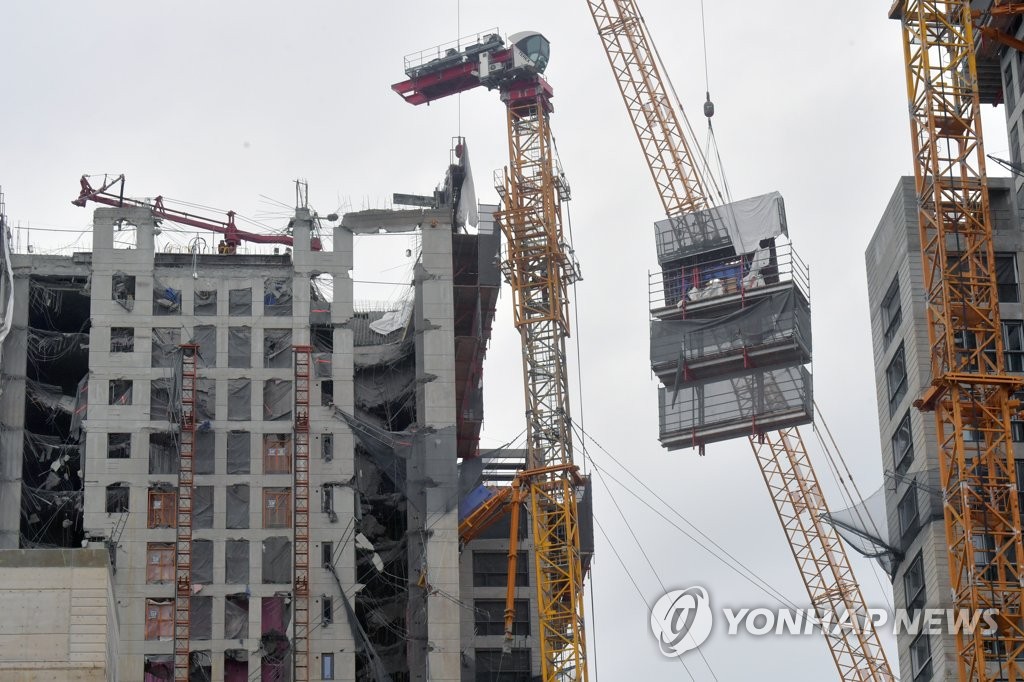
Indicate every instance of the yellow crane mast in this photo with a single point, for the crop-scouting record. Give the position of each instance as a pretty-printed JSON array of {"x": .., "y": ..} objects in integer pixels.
[
  {"x": 540, "y": 269},
  {"x": 970, "y": 393},
  {"x": 820, "y": 555}
]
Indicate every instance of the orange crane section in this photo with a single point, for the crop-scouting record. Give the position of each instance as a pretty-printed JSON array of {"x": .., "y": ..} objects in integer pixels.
[
  {"x": 662, "y": 130},
  {"x": 970, "y": 393}
]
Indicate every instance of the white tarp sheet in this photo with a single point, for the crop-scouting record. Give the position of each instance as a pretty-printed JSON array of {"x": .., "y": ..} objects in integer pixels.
[
  {"x": 746, "y": 222},
  {"x": 393, "y": 320}
]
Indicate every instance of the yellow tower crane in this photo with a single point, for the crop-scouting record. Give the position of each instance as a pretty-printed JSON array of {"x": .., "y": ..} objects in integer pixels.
[
  {"x": 540, "y": 269},
  {"x": 970, "y": 391},
  {"x": 662, "y": 131}
]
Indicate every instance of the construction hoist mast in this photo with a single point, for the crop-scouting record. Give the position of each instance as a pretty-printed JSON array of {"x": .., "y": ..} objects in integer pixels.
[
  {"x": 970, "y": 393},
  {"x": 661, "y": 128},
  {"x": 303, "y": 355},
  {"x": 183, "y": 515},
  {"x": 540, "y": 270}
]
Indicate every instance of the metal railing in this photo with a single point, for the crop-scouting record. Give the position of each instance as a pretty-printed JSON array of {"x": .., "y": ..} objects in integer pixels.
[
  {"x": 693, "y": 281},
  {"x": 452, "y": 52}
]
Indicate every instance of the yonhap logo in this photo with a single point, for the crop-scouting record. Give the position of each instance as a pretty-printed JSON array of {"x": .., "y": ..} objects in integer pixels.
[{"x": 681, "y": 620}]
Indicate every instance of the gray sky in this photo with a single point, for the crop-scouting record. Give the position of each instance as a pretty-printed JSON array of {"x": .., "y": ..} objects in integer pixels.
[{"x": 219, "y": 103}]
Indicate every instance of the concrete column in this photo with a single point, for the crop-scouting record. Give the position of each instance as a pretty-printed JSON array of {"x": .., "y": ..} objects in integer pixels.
[
  {"x": 433, "y": 473},
  {"x": 12, "y": 412}
]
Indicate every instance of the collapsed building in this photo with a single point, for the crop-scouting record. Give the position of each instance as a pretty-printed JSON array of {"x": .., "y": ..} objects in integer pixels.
[{"x": 322, "y": 504}]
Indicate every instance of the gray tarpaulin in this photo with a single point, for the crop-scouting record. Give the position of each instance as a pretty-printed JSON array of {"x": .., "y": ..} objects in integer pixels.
[
  {"x": 206, "y": 399},
  {"x": 277, "y": 561},
  {"x": 373, "y": 389},
  {"x": 163, "y": 453},
  {"x": 741, "y": 224},
  {"x": 206, "y": 299},
  {"x": 81, "y": 406},
  {"x": 239, "y": 452},
  {"x": 277, "y": 399},
  {"x": 205, "y": 336},
  {"x": 236, "y": 616},
  {"x": 200, "y": 664},
  {"x": 166, "y": 299},
  {"x": 239, "y": 302},
  {"x": 165, "y": 347},
  {"x": 201, "y": 617},
  {"x": 724, "y": 409},
  {"x": 236, "y": 562},
  {"x": 238, "y": 506},
  {"x": 202, "y": 562},
  {"x": 161, "y": 400},
  {"x": 277, "y": 297},
  {"x": 782, "y": 318},
  {"x": 206, "y": 444},
  {"x": 240, "y": 347},
  {"x": 239, "y": 400},
  {"x": 202, "y": 506},
  {"x": 277, "y": 348}
]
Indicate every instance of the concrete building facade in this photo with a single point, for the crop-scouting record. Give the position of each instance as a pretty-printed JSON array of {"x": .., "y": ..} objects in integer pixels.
[
  {"x": 916, "y": 534},
  {"x": 89, "y": 423}
]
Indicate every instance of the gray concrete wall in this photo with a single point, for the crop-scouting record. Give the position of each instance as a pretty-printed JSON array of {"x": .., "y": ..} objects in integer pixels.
[
  {"x": 12, "y": 409},
  {"x": 60, "y": 622}
]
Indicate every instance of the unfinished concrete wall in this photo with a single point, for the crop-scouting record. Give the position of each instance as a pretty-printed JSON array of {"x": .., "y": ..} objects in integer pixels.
[
  {"x": 60, "y": 621},
  {"x": 12, "y": 410}
]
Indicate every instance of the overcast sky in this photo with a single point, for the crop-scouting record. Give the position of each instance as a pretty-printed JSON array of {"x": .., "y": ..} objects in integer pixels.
[{"x": 220, "y": 103}]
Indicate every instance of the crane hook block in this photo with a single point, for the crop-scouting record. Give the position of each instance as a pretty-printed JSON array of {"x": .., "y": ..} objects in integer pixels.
[{"x": 709, "y": 106}]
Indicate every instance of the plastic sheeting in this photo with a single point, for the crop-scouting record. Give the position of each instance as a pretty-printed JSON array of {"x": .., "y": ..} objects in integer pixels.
[
  {"x": 120, "y": 394},
  {"x": 740, "y": 224},
  {"x": 277, "y": 348},
  {"x": 166, "y": 299},
  {"x": 239, "y": 302},
  {"x": 728, "y": 408},
  {"x": 240, "y": 347},
  {"x": 393, "y": 320},
  {"x": 201, "y": 617},
  {"x": 163, "y": 453},
  {"x": 239, "y": 400},
  {"x": 239, "y": 452},
  {"x": 51, "y": 399},
  {"x": 202, "y": 562},
  {"x": 277, "y": 399},
  {"x": 205, "y": 303},
  {"x": 236, "y": 616},
  {"x": 236, "y": 562},
  {"x": 375, "y": 388},
  {"x": 165, "y": 347},
  {"x": 163, "y": 402},
  {"x": 206, "y": 444},
  {"x": 277, "y": 297},
  {"x": 277, "y": 561},
  {"x": 236, "y": 665},
  {"x": 200, "y": 665},
  {"x": 202, "y": 507},
  {"x": 782, "y": 318},
  {"x": 205, "y": 336},
  {"x": 238, "y": 506},
  {"x": 206, "y": 399}
]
